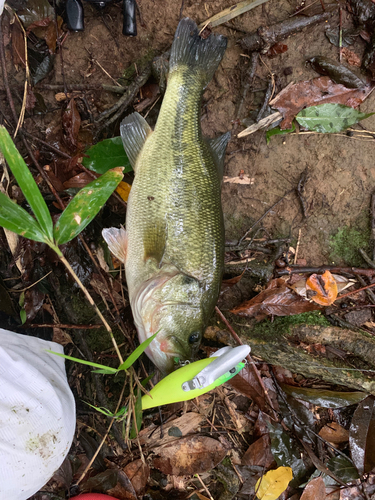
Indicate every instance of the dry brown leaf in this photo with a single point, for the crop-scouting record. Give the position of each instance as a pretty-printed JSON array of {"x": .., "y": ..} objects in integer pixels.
[
  {"x": 259, "y": 453},
  {"x": 248, "y": 384},
  {"x": 277, "y": 300},
  {"x": 314, "y": 490},
  {"x": 320, "y": 90},
  {"x": 188, "y": 423},
  {"x": 138, "y": 473},
  {"x": 322, "y": 288},
  {"x": 189, "y": 456},
  {"x": 334, "y": 433},
  {"x": 352, "y": 58}
]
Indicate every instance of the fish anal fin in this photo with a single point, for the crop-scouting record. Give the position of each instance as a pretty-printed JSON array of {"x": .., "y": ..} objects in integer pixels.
[
  {"x": 134, "y": 131},
  {"x": 117, "y": 241},
  {"x": 217, "y": 146}
]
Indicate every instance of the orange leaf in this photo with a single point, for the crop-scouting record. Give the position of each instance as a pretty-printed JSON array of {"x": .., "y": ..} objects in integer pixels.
[
  {"x": 123, "y": 189},
  {"x": 322, "y": 288}
]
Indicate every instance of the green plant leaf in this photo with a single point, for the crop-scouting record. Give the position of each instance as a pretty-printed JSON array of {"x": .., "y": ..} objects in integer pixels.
[
  {"x": 105, "y": 155},
  {"x": 84, "y": 362},
  {"x": 329, "y": 117},
  {"x": 85, "y": 205},
  {"x": 137, "y": 423},
  {"x": 135, "y": 354},
  {"x": 26, "y": 182},
  {"x": 278, "y": 131},
  {"x": 16, "y": 219}
]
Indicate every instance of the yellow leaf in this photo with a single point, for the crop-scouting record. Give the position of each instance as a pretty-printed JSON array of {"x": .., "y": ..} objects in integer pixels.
[
  {"x": 273, "y": 483},
  {"x": 123, "y": 189}
]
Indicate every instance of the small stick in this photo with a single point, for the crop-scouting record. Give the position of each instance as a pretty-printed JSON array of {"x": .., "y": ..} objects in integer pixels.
[
  {"x": 340, "y": 34},
  {"x": 373, "y": 223},
  {"x": 300, "y": 189},
  {"x": 205, "y": 487},
  {"x": 267, "y": 99},
  {"x": 370, "y": 293},
  {"x": 61, "y": 325},
  {"x": 366, "y": 258},
  {"x": 250, "y": 75},
  {"x": 297, "y": 247},
  {"x": 249, "y": 359},
  {"x": 49, "y": 146},
  {"x": 263, "y": 216},
  {"x": 355, "y": 291},
  {"x": 336, "y": 269}
]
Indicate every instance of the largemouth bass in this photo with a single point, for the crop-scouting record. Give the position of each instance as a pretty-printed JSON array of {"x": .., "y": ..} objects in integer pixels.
[{"x": 173, "y": 246}]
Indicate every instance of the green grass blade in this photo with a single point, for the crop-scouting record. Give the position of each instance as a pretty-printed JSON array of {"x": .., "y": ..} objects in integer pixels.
[
  {"x": 135, "y": 354},
  {"x": 26, "y": 182},
  {"x": 84, "y": 362},
  {"x": 85, "y": 206},
  {"x": 16, "y": 219},
  {"x": 105, "y": 155}
]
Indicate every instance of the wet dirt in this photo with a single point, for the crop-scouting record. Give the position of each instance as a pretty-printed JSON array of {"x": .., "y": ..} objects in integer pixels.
[{"x": 340, "y": 170}]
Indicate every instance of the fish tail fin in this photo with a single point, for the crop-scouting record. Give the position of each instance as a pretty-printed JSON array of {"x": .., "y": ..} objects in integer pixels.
[{"x": 201, "y": 55}]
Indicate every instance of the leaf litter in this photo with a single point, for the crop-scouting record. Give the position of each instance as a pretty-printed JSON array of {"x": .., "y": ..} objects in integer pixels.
[{"x": 195, "y": 438}]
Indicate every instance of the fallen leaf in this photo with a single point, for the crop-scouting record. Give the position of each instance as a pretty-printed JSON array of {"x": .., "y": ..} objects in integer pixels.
[
  {"x": 362, "y": 435},
  {"x": 277, "y": 300},
  {"x": 291, "y": 100},
  {"x": 273, "y": 483},
  {"x": 259, "y": 453},
  {"x": 334, "y": 433},
  {"x": 123, "y": 189},
  {"x": 189, "y": 456},
  {"x": 352, "y": 58},
  {"x": 244, "y": 179},
  {"x": 71, "y": 123},
  {"x": 138, "y": 473},
  {"x": 78, "y": 181},
  {"x": 314, "y": 490},
  {"x": 348, "y": 36},
  {"x": 322, "y": 288},
  {"x": 229, "y": 283},
  {"x": 248, "y": 384},
  {"x": 188, "y": 423},
  {"x": 341, "y": 282},
  {"x": 278, "y": 48}
]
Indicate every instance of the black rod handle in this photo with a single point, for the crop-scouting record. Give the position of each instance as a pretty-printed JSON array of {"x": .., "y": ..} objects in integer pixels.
[
  {"x": 74, "y": 15},
  {"x": 129, "y": 27}
]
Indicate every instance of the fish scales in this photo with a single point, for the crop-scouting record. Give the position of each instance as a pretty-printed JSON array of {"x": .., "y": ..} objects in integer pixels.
[{"x": 174, "y": 237}]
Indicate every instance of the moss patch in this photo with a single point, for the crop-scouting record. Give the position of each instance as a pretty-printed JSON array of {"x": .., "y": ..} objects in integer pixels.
[
  {"x": 267, "y": 331},
  {"x": 345, "y": 243}
]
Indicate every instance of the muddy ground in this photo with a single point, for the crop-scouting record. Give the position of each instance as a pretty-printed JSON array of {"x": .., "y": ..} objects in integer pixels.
[{"x": 341, "y": 173}]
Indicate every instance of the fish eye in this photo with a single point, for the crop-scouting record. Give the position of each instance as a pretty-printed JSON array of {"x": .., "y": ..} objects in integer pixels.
[{"x": 194, "y": 337}]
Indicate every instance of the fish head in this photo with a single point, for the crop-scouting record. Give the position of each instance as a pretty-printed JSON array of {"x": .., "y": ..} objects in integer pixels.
[{"x": 172, "y": 309}]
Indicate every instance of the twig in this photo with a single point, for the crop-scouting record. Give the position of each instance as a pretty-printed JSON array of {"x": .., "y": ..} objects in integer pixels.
[
  {"x": 297, "y": 247},
  {"x": 204, "y": 486},
  {"x": 103, "y": 440},
  {"x": 340, "y": 34},
  {"x": 250, "y": 75},
  {"x": 249, "y": 359},
  {"x": 299, "y": 191},
  {"x": 126, "y": 99},
  {"x": 366, "y": 258},
  {"x": 356, "y": 291},
  {"x": 264, "y": 122},
  {"x": 61, "y": 325},
  {"x": 373, "y": 224},
  {"x": 263, "y": 216},
  {"x": 370, "y": 293},
  {"x": 47, "y": 145},
  {"x": 267, "y": 99},
  {"x": 22, "y": 114},
  {"x": 335, "y": 269},
  {"x": 81, "y": 87}
]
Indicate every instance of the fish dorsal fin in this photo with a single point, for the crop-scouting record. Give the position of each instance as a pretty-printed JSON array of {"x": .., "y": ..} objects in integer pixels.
[
  {"x": 117, "y": 241},
  {"x": 134, "y": 131},
  {"x": 218, "y": 147},
  {"x": 155, "y": 241}
]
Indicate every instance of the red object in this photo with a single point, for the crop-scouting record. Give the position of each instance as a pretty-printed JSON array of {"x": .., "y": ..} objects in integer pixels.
[{"x": 93, "y": 496}]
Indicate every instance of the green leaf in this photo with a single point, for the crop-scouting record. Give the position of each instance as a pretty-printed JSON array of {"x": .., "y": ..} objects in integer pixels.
[
  {"x": 26, "y": 182},
  {"x": 84, "y": 362},
  {"x": 136, "y": 425},
  {"x": 278, "y": 131},
  {"x": 16, "y": 219},
  {"x": 135, "y": 354},
  {"x": 328, "y": 118},
  {"x": 85, "y": 205},
  {"x": 324, "y": 398},
  {"x": 105, "y": 155}
]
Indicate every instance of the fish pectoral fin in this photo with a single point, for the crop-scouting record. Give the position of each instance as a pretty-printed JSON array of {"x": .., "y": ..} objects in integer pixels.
[
  {"x": 134, "y": 131},
  {"x": 217, "y": 147},
  {"x": 117, "y": 241},
  {"x": 155, "y": 242}
]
